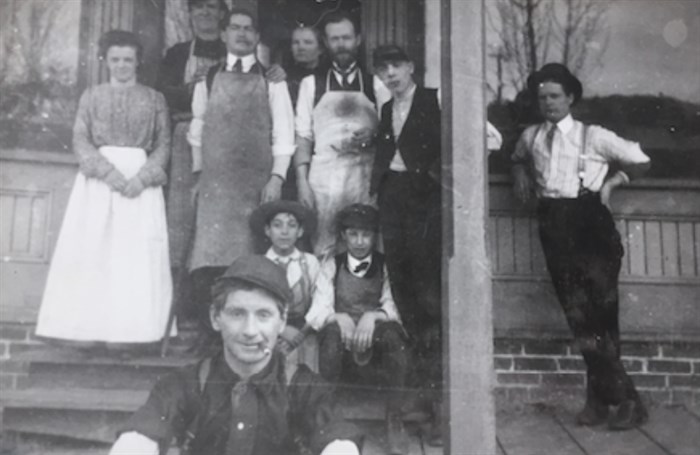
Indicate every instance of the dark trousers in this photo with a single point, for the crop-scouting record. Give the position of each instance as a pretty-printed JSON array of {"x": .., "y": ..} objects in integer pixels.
[
  {"x": 389, "y": 363},
  {"x": 410, "y": 214},
  {"x": 583, "y": 252}
]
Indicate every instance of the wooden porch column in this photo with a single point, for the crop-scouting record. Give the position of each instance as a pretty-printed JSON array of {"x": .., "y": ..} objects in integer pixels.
[{"x": 467, "y": 315}]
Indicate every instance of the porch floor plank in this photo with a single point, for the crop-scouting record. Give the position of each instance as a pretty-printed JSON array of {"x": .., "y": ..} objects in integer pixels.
[
  {"x": 534, "y": 433},
  {"x": 599, "y": 440},
  {"x": 675, "y": 429}
]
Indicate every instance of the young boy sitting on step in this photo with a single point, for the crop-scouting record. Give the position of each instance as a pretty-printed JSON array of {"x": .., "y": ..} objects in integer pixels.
[
  {"x": 283, "y": 223},
  {"x": 360, "y": 329}
]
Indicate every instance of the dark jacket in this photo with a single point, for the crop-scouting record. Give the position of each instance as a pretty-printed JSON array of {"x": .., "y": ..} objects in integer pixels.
[
  {"x": 419, "y": 142},
  {"x": 171, "y": 75},
  {"x": 272, "y": 415}
]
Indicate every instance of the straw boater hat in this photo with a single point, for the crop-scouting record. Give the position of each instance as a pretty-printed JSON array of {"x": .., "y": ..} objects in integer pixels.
[
  {"x": 262, "y": 215},
  {"x": 555, "y": 72}
]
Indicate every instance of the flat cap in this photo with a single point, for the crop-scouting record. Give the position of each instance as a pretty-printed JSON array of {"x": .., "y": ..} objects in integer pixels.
[
  {"x": 359, "y": 216},
  {"x": 389, "y": 53},
  {"x": 261, "y": 272}
]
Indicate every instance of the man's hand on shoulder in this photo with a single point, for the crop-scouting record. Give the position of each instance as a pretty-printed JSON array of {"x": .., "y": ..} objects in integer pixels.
[{"x": 276, "y": 74}]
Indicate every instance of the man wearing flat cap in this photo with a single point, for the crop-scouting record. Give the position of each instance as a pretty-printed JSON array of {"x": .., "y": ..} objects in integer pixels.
[
  {"x": 242, "y": 401},
  {"x": 566, "y": 163}
]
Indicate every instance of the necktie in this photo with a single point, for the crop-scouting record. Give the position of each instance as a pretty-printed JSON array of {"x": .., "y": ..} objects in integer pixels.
[
  {"x": 237, "y": 67},
  {"x": 551, "y": 134},
  {"x": 362, "y": 266},
  {"x": 345, "y": 80}
]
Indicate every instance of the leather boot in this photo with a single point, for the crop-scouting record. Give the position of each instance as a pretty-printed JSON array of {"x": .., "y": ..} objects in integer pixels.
[
  {"x": 397, "y": 440},
  {"x": 629, "y": 415},
  {"x": 593, "y": 413}
]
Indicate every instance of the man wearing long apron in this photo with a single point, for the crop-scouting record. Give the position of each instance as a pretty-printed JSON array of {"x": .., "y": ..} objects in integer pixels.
[
  {"x": 335, "y": 125},
  {"x": 242, "y": 137}
]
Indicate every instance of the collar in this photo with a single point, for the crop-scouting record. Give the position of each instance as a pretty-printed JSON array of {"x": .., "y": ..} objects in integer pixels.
[
  {"x": 273, "y": 256},
  {"x": 353, "y": 262},
  {"x": 223, "y": 374},
  {"x": 246, "y": 61},
  {"x": 351, "y": 69},
  {"x": 408, "y": 97},
  {"x": 564, "y": 125}
]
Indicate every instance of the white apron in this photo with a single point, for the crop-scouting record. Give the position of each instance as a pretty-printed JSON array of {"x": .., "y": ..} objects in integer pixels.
[
  {"x": 340, "y": 172},
  {"x": 110, "y": 274}
]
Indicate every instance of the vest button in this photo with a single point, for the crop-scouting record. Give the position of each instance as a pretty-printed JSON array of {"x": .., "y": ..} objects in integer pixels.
[{"x": 240, "y": 425}]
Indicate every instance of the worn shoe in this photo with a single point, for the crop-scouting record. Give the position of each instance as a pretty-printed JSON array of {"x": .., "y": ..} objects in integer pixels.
[
  {"x": 396, "y": 437},
  {"x": 630, "y": 414},
  {"x": 592, "y": 414}
]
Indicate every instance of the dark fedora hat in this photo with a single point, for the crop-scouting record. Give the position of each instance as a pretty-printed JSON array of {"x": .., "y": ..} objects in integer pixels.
[
  {"x": 262, "y": 215},
  {"x": 555, "y": 72},
  {"x": 260, "y": 272}
]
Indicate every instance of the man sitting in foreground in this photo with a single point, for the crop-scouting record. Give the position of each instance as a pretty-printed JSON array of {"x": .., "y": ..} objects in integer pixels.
[{"x": 240, "y": 401}]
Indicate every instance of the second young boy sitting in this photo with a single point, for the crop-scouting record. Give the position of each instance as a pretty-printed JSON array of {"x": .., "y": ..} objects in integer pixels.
[
  {"x": 283, "y": 223},
  {"x": 360, "y": 328}
]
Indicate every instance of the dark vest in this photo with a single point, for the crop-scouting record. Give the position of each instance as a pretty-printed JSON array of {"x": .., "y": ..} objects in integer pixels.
[
  {"x": 356, "y": 296},
  {"x": 419, "y": 141},
  {"x": 321, "y": 76}
]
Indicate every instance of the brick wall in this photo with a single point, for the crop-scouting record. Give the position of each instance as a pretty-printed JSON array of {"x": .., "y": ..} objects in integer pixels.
[
  {"x": 14, "y": 338},
  {"x": 530, "y": 370}
]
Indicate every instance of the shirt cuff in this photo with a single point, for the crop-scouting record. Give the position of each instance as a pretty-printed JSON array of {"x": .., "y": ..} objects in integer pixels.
[
  {"x": 280, "y": 164},
  {"x": 194, "y": 135},
  {"x": 196, "y": 158}
]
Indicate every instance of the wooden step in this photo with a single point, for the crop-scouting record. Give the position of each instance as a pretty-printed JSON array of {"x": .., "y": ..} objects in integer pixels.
[
  {"x": 74, "y": 399},
  {"x": 63, "y": 356}
]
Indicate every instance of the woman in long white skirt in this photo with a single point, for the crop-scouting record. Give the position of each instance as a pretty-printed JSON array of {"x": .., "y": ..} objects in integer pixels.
[{"x": 110, "y": 275}]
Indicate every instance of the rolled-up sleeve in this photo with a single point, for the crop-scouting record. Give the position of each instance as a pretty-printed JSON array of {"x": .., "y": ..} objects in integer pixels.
[
  {"x": 282, "y": 127},
  {"x": 386, "y": 301},
  {"x": 194, "y": 134},
  {"x": 303, "y": 123}
]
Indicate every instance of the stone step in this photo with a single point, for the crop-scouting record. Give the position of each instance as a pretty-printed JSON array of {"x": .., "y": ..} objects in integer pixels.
[{"x": 74, "y": 399}]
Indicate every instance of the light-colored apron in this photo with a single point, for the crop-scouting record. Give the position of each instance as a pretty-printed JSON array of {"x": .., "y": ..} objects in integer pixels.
[
  {"x": 236, "y": 165},
  {"x": 110, "y": 275},
  {"x": 340, "y": 172},
  {"x": 180, "y": 178}
]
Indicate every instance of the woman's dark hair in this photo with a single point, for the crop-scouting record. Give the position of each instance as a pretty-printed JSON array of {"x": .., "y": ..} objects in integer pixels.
[
  {"x": 192, "y": 3},
  {"x": 316, "y": 32},
  {"x": 238, "y": 12},
  {"x": 120, "y": 38}
]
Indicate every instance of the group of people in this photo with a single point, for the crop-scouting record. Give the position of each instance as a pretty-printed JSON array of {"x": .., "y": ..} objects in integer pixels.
[{"x": 361, "y": 154}]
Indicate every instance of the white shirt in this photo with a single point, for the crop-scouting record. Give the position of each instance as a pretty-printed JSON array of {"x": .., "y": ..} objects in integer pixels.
[
  {"x": 293, "y": 265},
  {"x": 323, "y": 302},
  {"x": 281, "y": 110},
  {"x": 557, "y": 171},
  {"x": 305, "y": 101}
]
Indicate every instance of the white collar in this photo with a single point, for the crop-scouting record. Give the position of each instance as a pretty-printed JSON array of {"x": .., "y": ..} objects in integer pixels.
[
  {"x": 273, "y": 256},
  {"x": 353, "y": 262},
  {"x": 350, "y": 70},
  {"x": 246, "y": 61},
  {"x": 564, "y": 125}
]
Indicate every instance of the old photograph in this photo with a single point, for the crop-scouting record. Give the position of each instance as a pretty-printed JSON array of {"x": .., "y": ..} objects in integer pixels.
[{"x": 344, "y": 227}]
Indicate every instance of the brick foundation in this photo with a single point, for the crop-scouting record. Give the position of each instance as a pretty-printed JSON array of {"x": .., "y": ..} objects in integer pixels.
[
  {"x": 526, "y": 370},
  {"x": 14, "y": 338},
  {"x": 530, "y": 370}
]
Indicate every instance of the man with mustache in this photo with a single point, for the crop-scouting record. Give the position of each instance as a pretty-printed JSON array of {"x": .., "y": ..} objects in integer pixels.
[
  {"x": 242, "y": 137},
  {"x": 335, "y": 125}
]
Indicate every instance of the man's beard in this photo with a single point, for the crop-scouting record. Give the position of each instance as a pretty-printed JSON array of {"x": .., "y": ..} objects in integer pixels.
[{"x": 345, "y": 57}]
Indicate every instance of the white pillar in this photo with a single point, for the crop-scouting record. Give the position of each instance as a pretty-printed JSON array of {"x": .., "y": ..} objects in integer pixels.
[{"x": 467, "y": 319}]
